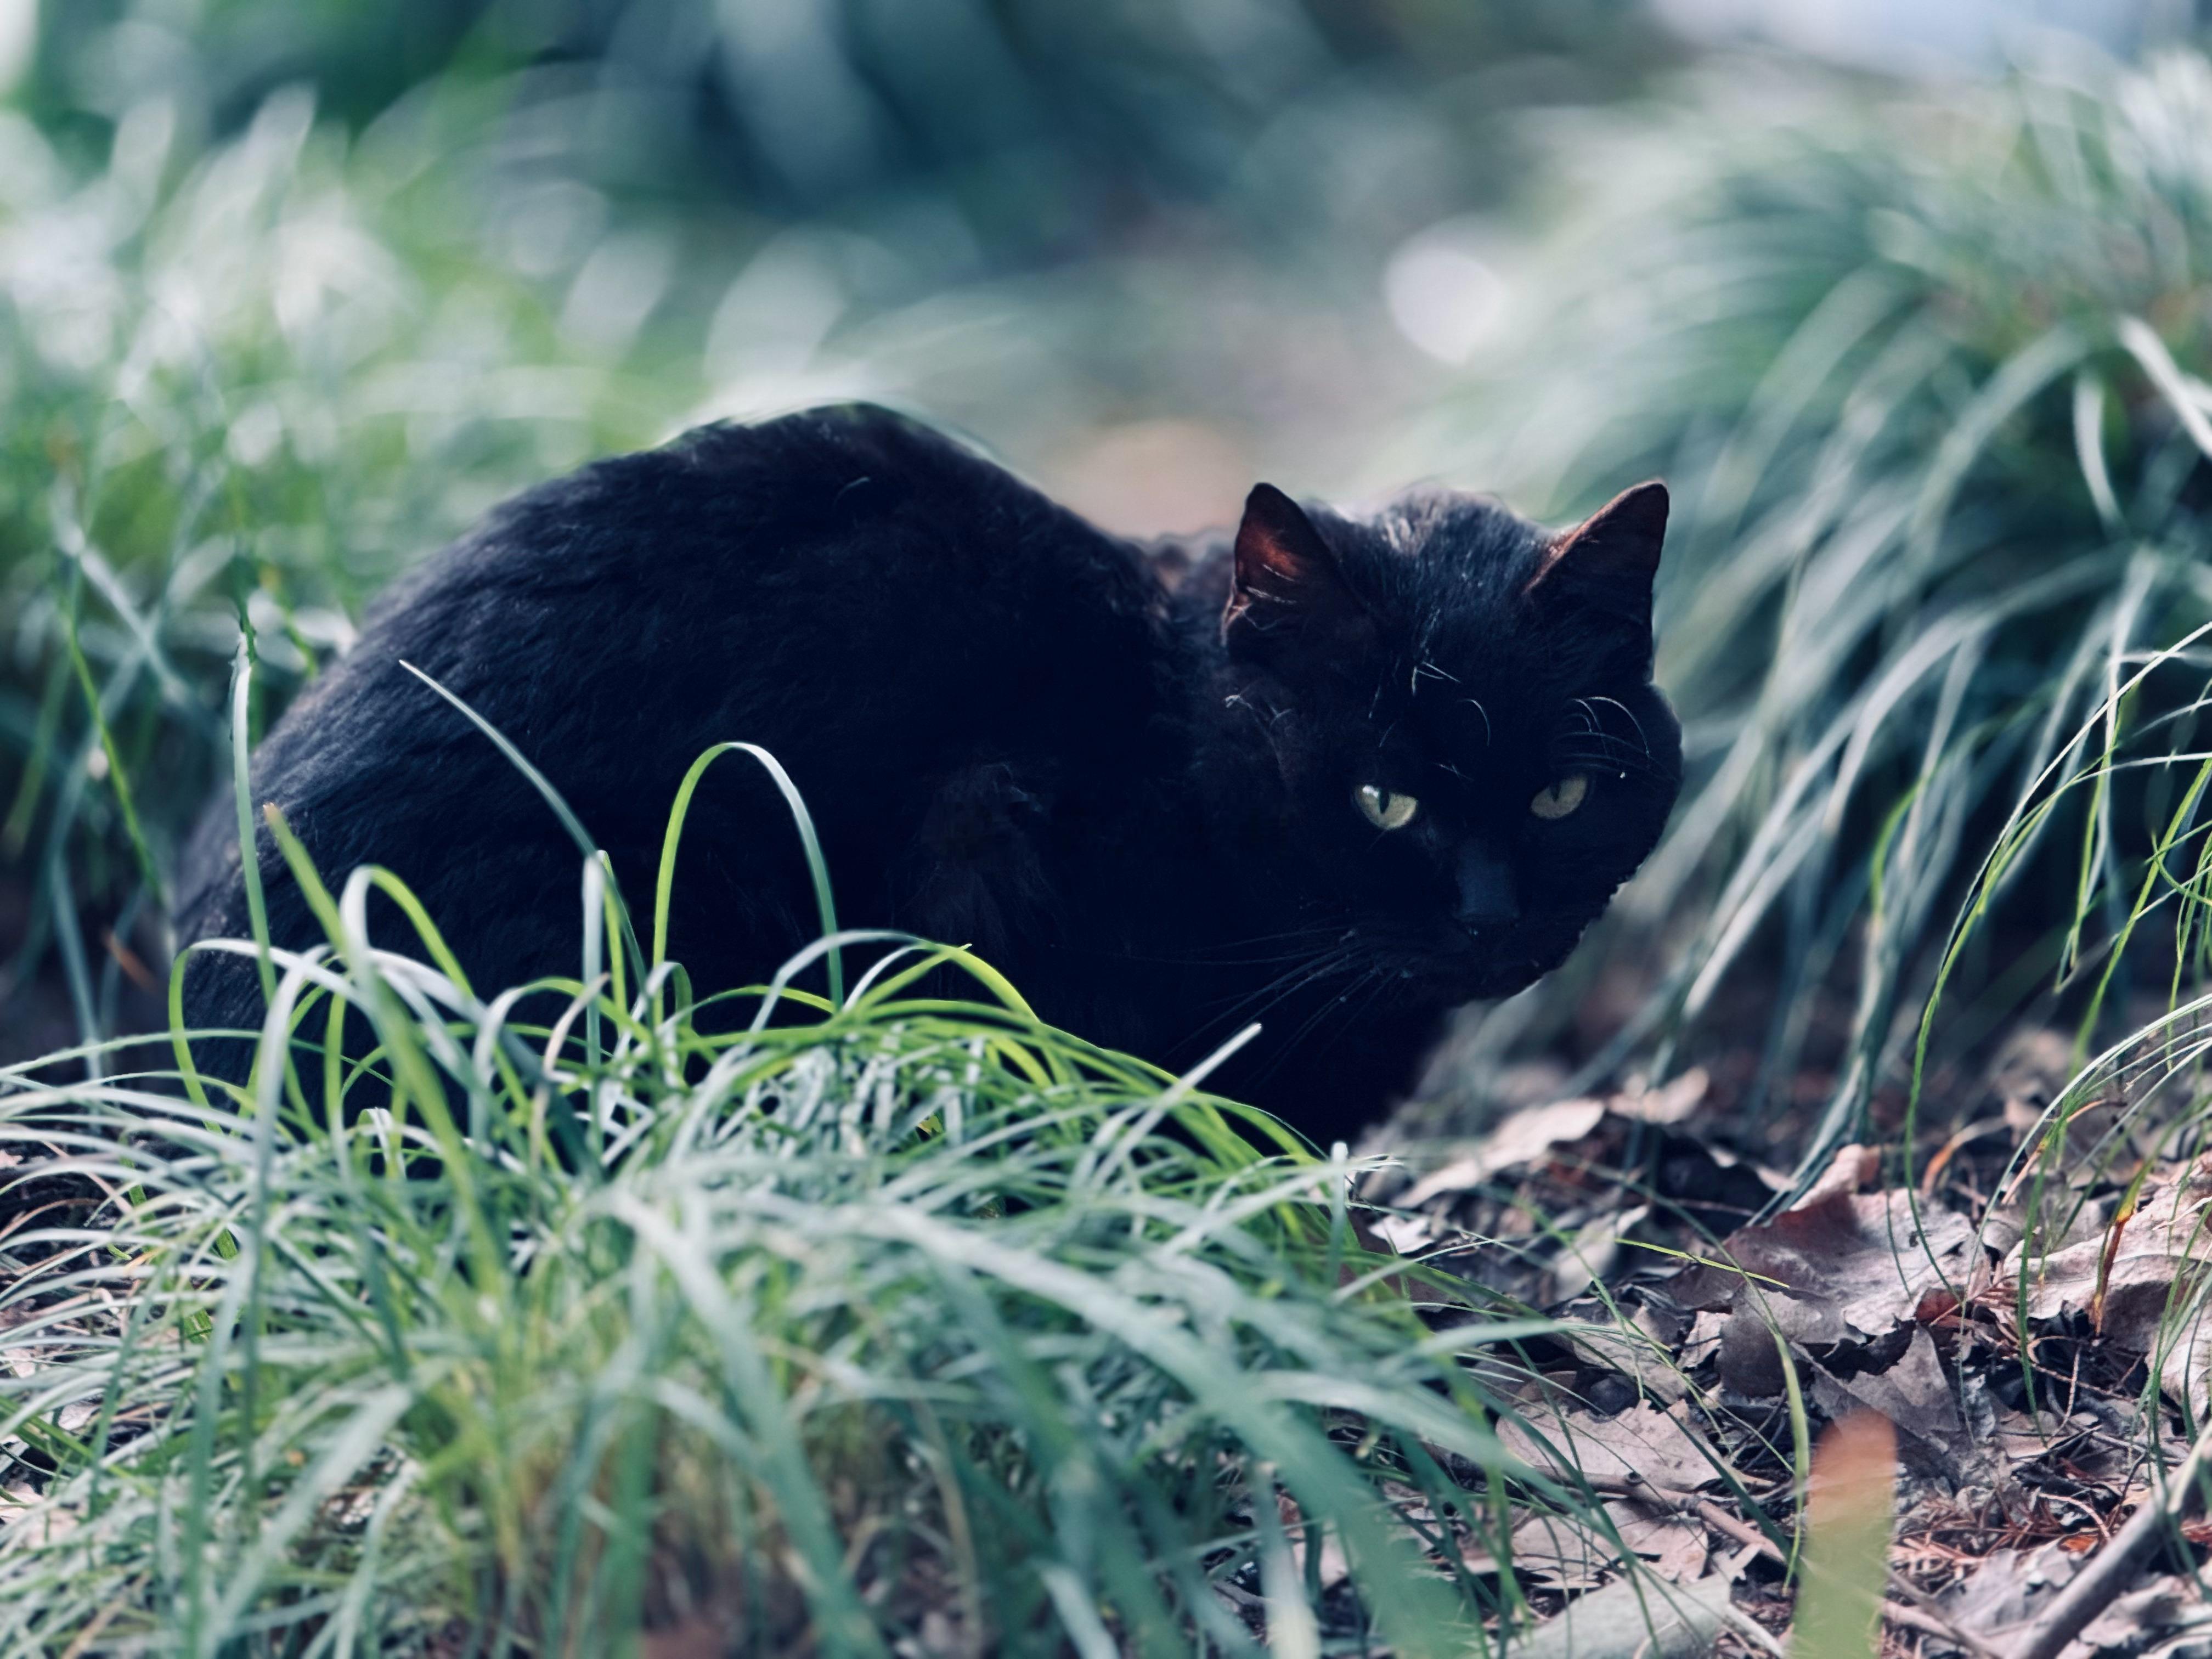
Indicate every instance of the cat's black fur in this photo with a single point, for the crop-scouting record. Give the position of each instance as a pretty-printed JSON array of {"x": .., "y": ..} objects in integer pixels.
[{"x": 1129, "y": 777}]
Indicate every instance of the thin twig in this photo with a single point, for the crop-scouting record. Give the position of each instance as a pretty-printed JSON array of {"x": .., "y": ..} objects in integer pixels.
[
  {"x": 2092, "y": 1590},
  {"x": 1931, "y": 1624},
  {"x": 1750, "y": 1630}
]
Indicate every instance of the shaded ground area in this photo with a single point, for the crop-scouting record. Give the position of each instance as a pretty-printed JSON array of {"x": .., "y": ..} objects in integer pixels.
[{"x": 2005, "y": 1292}]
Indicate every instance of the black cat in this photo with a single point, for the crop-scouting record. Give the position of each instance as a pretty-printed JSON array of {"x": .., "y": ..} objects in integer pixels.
[{"x": 1339, "y": 775}]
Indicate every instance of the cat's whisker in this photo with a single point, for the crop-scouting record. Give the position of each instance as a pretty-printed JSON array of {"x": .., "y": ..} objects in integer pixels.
[
  {"x": 1597, "y": 748},
  {"x": 1381, "y": 978},
  {"x": 1258, "y": 1003},
  {"x": 1224, "y": 956},
  {"x": 1370, "y": 980},
  {"x": 1610, "y": 753},
  {"x": 1423, "y": 665},
  {"x": 1300, "y": 944},
  {"x": 1632, "y": 720}
]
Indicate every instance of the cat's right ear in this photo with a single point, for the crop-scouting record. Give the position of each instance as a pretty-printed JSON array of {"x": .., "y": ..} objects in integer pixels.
[
  {"x": 1286, "y": 578},
  {"x": 1607, "y": 561}
]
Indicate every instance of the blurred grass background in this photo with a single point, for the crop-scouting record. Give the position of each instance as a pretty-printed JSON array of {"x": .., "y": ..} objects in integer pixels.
[{"x": 289, "y": 293}]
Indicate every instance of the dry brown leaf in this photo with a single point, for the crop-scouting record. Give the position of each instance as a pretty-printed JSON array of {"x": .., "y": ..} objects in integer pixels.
[
  {"x": 2165, "y": 1605},
  {"x": 1868, "y": 1256},
  {"x": 1915, "y": 1395},
  {"x": 1641, "y": 1444},
  {"x": 1522, "y": 1137},
  {"x": 1562, "y": 1553},
  {"x": 1406, "y": 1235},
  {"x": 1851, "y": 1168},
  {"x": 1642, "y": 1354},
  {"x": 2032, "y": 1066},
  {"x": 2139, "y": 1280},
  {"x": 1674, "y": 1543},
  {"x": 34, "y": 1520},
  {"x": 1703, "y": 1339},
  {"x": 1670, "y": 1102},
  {"x": 2060, "y": 1224},
  {"x": 1591, "y": 1254},
  {"x": 2008, "y": 1587},
  {"x": 1632, "y": 1622}
]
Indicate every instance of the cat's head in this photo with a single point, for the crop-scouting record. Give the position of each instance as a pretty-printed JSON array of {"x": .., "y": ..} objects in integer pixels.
[{"x": 1454, "y": 752}]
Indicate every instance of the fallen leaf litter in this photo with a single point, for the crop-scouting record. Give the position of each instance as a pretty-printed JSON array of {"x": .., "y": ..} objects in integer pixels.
[{"x": 2030, "y": 1340}]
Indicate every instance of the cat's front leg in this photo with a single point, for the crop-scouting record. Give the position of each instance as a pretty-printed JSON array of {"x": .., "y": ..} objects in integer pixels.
[{"x": 976, "y": 869}]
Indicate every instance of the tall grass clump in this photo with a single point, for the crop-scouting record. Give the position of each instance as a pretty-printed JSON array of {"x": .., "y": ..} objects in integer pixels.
[
  {"x": 245, "y": 381},
  {"x": 549, "y": 1322},
  {"x": 1922, "y": 367}
]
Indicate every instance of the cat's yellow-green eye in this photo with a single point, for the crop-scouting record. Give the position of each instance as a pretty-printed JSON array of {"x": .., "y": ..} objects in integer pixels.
[
  {"x": 1383, "y": 809},
  {"x": 1562, "y": 797}
]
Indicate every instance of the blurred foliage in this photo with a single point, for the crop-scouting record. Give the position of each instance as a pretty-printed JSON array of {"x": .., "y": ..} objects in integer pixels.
[
  {"x": 251, "y": 382},
  {"x": 1923, "y": 369},
  {"x": 1030, "y": 127}
]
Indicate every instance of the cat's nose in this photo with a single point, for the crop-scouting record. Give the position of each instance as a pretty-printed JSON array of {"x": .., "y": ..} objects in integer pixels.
[{"x": 1488, "y": 897}]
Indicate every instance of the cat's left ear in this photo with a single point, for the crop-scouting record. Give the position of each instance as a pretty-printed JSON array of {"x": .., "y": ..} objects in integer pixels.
[
  {"x": 1609, "y": 560},
  {"x": 1285, "y": 576}
]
